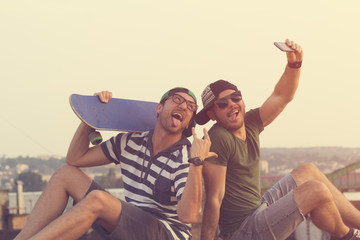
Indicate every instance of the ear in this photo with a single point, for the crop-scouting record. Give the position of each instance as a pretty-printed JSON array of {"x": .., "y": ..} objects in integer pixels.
[
  {"x": 159, "y": 108},
  {"x": 210, "y": 114}
]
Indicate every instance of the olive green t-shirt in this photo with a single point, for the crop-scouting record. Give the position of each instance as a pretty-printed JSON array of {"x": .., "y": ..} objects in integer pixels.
[{"x": 242, "y": 186}]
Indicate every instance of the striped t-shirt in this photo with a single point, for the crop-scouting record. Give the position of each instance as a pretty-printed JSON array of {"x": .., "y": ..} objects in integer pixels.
[{"x": 152, "y": 183}]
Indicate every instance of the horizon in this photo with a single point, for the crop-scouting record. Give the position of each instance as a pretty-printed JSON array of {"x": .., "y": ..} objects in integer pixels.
[{"x": 60, "y": 157}]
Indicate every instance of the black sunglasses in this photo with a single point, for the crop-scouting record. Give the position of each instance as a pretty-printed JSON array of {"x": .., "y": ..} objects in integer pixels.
[{"x": 223, "y": 102}]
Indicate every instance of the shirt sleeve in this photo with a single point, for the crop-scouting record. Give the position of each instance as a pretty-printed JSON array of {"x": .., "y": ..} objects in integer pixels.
[
  {"x": 113, "y": 147},
  {"x": 221, "y": 143},
  {"x": 253, "y": 121}
]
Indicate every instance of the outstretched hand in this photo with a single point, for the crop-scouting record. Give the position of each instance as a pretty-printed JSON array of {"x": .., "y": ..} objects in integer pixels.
[
  {"x": 201, "y": 147},
  {"x": 104, "y": 96},
  {"x": 297, "y": 55}
]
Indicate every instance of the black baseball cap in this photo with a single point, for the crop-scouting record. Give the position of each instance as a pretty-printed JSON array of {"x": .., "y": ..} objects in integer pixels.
[{"x": 209, "y": 96}]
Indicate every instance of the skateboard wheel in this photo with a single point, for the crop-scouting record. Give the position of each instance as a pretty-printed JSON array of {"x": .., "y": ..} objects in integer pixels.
[{"x": 95, "y": 137}]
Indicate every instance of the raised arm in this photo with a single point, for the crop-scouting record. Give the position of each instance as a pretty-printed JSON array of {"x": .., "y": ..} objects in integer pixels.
[
  {"x": 190, "y": 203},
  {"x": 214, "y": 178},
  {"x": 79, "y": 153},
  {"x": 285, "y": 89}
]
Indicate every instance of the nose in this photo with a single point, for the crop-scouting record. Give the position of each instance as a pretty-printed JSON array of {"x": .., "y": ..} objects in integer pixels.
[
  {"x": 183, "y": 105},
  {"x": 231, "y": 102}
]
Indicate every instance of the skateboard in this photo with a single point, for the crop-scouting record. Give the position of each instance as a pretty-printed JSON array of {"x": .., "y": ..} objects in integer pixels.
[{"x": 116, "y": 115}]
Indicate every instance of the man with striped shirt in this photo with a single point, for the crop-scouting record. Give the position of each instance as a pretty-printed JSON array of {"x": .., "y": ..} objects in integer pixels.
[{"x": 161, "y": 171}]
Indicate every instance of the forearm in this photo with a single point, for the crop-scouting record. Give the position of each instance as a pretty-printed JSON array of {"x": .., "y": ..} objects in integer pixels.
[
  {"x": 288, "y": 83},
  {"x": 286, "y": 87},
  {"x": 79, "y": 144},
  {"x": 283, "y": 93},
  {"x": 210, "y": 221},
  {"x": 190, "y": 203}
]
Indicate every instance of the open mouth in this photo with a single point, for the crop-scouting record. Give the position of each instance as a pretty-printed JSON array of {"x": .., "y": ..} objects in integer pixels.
[
  {"x": 177, "y": 116},
  {"x": 177, "y": 119},
  {"x": 233, "y": 115}
]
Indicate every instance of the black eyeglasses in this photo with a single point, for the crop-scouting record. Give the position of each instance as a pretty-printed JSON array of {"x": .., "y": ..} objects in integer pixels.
[
  {"x": 223, "y": 102},
  {"x": 189, "y": 104}
]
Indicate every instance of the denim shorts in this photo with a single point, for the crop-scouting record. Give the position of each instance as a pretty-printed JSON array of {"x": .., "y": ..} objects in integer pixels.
[
  {"x": 134, "y": 223},
  {"x": 276, "y": 218}
]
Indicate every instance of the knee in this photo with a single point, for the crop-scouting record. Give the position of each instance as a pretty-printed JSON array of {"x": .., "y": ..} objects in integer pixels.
[
  {"x": 318, "y": 191},
  {"x": 66, "y": 176},
  {"x": 308, "y": 168},
  {"x": 64, "y": 172},
  {"x": 306, "y": 172},
  {"x": 97, "y": 201}
]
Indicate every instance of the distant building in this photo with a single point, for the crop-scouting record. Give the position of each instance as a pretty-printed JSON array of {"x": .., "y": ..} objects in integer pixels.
[
  {"x": 22, "y": 168},
  {"x": 264, "y": 166}
]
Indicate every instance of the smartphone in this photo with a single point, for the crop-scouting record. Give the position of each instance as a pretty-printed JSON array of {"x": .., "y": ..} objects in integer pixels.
[{"x": 283, "y": 47}]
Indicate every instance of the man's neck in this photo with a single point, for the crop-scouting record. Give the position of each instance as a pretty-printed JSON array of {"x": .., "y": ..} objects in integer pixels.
[
  {"x": 162, "y": 140},
  {"x": 240, "y": 133}
]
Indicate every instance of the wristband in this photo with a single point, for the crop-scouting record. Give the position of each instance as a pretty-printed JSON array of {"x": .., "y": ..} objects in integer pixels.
[
  {"x": 196, "y": 161},
  {"x": 294, "y": 64}
]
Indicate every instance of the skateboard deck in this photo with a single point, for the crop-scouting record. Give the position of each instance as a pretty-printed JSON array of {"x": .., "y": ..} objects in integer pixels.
[{"x": 116, "y": 115}]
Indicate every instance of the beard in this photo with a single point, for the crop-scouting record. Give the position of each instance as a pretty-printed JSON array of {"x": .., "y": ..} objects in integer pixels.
[
  {"x": 168, "y": 125},
  {"x": 231, "y": 126}
]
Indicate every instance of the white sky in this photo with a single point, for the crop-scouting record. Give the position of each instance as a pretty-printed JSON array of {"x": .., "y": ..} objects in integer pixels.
[{"x": 139, "y": 49}]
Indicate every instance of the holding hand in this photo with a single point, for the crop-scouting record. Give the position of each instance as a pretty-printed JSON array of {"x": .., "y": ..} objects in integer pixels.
[
  {"x": 104, "y": 96},
  {"x": 200, "y": 147},
  {"x": 297, "y": 55}
]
